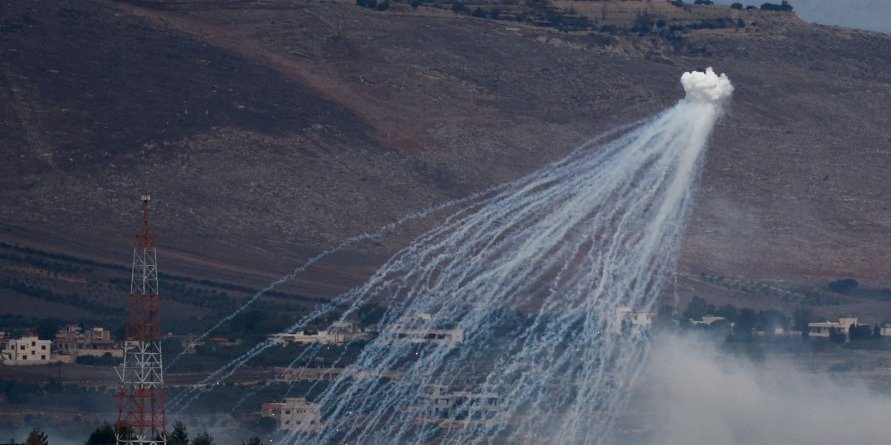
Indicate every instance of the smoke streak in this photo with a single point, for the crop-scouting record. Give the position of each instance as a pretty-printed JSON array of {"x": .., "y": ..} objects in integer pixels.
[
  {"x": 182, "y": 401},
  {"x": 532, "y": 275}
]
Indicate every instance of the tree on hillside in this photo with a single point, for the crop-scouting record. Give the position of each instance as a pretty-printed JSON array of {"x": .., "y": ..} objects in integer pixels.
[
  {"x": 266, "y": 425},
  {"x": 770, "y": 319},
  {"x": 179, "y": 436},
  {"x": 253, "y": 440},
  {"x": 103, "y": 435},
  {"x": 844, "y": 286},
  {"x": 697, "y": 308},
  {"x": 800, "y": 318},
  {"x": 859, "y": 332},
  {"x": 203, "y": 439},
  {"x": 728, "y": 311},
  {"x": 37, "y": 437},
  {"x": 745, "y": 323},
  {"x": 784, "y": 6},
  {"x": 643, "y": 23},
  {"x": 836, "y": 336},
  {"x": 736, "y": 6},
  {"x": 47, "y": 328}
]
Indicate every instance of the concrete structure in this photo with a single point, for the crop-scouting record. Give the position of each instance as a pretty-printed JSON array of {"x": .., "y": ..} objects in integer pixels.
[
  {"x": 885, "y": 329},
  {"x": 437, "y": 405},
  {"x": 306, "y": 374},
  {"x": 25, "y": 351},
  {"x": 95, "y": 342},
  {"x": 310, "y": 374},
  {"x": 822, "y": 329},
  {"x": 626, "y": 318},
  {"x": 416, "y": 330},
  {"x": 294, "y": 414},
  {"x": 338, "y": 333}
]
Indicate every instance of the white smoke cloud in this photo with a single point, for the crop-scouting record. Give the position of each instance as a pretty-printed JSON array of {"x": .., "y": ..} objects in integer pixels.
[
  {"x": 702, "y": 396},
  {"x": 707, "y": 86}
]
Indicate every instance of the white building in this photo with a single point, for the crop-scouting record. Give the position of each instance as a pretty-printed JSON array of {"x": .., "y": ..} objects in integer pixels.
[
  {"x": 625, "y": 317},
  {"x": 294, "y": 414},
  {"x": 416, "y": 330},
  {"x": 822, "y": 329},
  {"x": 885, "y": 329},
  {"x": 437, "y": 405},
  {"x": 338, "y": 333},
  {"x": 28, "y": 350}
]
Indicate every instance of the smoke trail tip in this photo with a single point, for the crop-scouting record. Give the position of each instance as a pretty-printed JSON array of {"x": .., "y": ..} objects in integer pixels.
[{"x": 706, "y": 86}]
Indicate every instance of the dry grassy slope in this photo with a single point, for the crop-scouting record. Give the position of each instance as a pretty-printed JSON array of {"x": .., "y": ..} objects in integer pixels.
[{"x": 268, "y": 130}]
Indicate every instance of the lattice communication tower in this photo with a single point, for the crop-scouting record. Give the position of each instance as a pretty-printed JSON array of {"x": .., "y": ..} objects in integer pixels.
[{"x": 141, "y": 417}]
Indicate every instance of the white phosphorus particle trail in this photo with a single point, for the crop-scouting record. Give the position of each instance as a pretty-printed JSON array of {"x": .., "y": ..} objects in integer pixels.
[
  {"x": 182, "y": 400},
  {"x": 328, "y": 252},
  {"x": 533, "y": 275}
]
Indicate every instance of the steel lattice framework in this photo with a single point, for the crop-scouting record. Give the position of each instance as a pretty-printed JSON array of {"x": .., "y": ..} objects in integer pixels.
[{"x": 141, "y": 417}]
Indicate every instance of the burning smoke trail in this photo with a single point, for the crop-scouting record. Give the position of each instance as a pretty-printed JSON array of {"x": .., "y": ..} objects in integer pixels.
[
  {"x": 533, "y": 277},
  {"x": 326, "y": 253},
  {"x": 181, "y": 402}
]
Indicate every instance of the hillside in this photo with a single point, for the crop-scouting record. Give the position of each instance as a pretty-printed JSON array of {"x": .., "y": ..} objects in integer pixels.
[{"x": 269, "y": 130}]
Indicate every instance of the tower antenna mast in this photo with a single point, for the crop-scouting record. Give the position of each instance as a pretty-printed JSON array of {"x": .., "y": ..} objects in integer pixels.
[{"x": 141, "y": 416}]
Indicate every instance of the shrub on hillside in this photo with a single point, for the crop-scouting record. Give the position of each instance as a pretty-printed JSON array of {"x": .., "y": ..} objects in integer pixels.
[
  {"x": 643, "y": 23},
  {"x": 844, "y": 286},
  {"x": 784, "y": 6}
]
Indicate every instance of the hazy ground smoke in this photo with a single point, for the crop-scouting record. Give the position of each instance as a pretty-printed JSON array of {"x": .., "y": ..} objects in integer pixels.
[{"x": 702, "y": 396}]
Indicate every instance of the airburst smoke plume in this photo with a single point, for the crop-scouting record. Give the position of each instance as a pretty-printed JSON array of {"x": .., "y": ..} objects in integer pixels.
[
  {"x": 707, "y": 86},
  {"x": 532, "y": 276}
]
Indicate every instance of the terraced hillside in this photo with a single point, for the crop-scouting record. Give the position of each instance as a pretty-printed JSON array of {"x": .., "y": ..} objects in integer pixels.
[{"x": 267, "y": 131}]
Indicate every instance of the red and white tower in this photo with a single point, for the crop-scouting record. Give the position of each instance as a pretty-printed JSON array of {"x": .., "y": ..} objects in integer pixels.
[{"x": 141, "y": 418}]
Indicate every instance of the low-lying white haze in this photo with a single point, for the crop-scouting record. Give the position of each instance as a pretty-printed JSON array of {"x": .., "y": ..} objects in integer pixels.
[{"x": 700, "y": 396}]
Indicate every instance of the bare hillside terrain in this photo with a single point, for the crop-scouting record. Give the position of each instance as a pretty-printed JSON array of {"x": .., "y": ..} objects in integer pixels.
[{"x": 267, "y": 131}]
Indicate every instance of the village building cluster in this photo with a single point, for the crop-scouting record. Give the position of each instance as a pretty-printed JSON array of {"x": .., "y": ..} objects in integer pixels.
[
  {"x": 816, "y": 330},
  {"x": 69, "y": 343}
]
